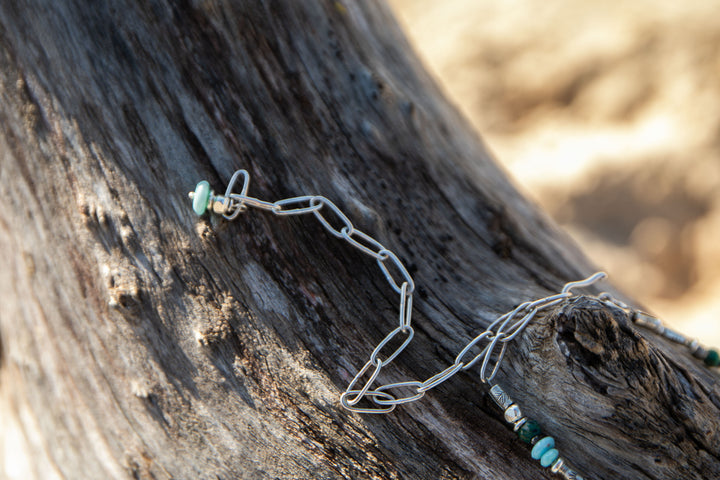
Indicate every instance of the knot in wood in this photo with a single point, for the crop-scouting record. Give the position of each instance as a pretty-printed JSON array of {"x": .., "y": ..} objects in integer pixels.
[
  {"x": 597, "y": 335},
  {"x": 590, "y": 341}
]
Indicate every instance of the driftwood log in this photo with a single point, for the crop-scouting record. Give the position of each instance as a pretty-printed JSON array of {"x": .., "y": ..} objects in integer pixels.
[{"x": 139, "y": 341}]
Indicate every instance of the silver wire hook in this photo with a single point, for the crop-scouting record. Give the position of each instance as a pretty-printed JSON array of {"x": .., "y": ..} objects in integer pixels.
[
  {"x": 233, "y": 179},
  {"x": 596, "y": 277},
  {"x": 232, "y": 201}
]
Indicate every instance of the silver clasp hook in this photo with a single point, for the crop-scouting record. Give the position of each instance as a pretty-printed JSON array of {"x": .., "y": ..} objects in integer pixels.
[{"x": 229, "y": 205}]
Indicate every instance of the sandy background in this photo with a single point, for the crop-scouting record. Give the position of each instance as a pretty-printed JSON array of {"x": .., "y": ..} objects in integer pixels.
[{"x": 607, "y": 113}]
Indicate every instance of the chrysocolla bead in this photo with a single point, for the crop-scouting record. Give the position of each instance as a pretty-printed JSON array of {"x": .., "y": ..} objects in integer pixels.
[
  {"x": 549, "y": 457},
  {"x": 712, "y": 359},
  {"x": 528, "y": 431},
  {"x": 542, "y": 446},
  {"x": 201, "y": 197}
]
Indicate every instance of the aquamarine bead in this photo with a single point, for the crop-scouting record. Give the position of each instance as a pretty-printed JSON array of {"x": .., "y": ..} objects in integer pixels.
[
  {"x": 549, "y": 457},
  {"x": 201, "y": 197},
  {"x": 542, "y": 446}
]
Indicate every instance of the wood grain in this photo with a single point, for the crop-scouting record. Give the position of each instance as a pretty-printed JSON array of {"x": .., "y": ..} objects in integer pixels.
[{"x": 139, "y": 341}]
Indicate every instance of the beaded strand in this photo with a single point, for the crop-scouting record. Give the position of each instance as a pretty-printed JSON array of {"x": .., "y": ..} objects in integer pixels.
[
  {"x": 529, "y": 431},
  {"x": 709, "y": 356}
]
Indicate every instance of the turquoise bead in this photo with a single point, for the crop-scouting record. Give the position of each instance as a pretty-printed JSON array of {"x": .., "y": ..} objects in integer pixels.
[
  {"x": 542, "y": 446},
  {"x": 201, "y": 198},
  {"x": 549, "y": 457}
]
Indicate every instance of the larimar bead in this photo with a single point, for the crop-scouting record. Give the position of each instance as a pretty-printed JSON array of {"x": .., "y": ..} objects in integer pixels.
[
  {"x": 201, "y": 197},
  {"x": 541, "y": 447},
  {"x": 549, "y": 457}
]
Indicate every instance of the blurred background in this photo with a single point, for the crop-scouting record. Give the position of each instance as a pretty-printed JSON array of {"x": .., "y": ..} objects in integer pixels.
[{"x": 606, "y": 113}]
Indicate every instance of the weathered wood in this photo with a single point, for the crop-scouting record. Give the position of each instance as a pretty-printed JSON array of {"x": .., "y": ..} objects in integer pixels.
[{"x": 141, "y": 342}]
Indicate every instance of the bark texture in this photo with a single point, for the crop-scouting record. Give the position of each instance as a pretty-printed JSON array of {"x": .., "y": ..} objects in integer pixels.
[{"x": 139, "y": 341}]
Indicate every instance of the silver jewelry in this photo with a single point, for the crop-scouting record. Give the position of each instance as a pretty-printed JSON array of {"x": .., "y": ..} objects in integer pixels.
[
  {"x": 709, "y": 356},
  {"x": 488, "y": 348}
]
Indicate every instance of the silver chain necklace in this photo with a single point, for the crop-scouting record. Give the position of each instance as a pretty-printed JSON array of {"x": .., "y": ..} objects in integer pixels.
[{"x": 490, "y": 345}]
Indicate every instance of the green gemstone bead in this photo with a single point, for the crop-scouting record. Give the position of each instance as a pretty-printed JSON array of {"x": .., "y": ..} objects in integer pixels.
[
  {"x": 549, "y": 457},
  {"x": 712, "y": 359},
  {"x": 528, "y": 431},
  {"x": 201, "y": 197}
]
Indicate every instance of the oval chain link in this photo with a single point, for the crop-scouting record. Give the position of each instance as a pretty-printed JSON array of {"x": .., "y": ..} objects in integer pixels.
[{"x": 500, "y": 332}]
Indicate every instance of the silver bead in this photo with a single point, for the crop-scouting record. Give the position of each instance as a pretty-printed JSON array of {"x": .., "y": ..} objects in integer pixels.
[
  {"x": 675, "y": 336},
  {"x": 569, "y": 473},
  {"x": 697, "y": 350},
  {"x": 559, "y": 463},
  {"x": 648, "y": 321},
  {"x": 219, "y": 204},
  {"x": 513, "y": 414},
  {"x": 519, "y": 424},
  {"x": 500, "y": 397}
]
